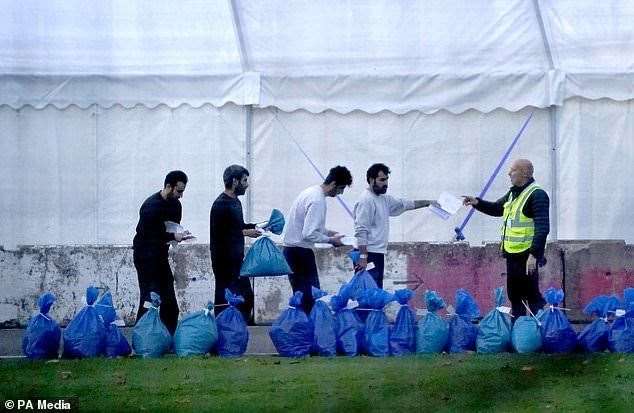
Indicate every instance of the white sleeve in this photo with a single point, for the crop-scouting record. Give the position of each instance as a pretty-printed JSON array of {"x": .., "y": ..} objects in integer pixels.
[
  {"x": 398, "y": 205},
  {"x": 363, "y": 214},
  {"x": 314, "y": 223}
]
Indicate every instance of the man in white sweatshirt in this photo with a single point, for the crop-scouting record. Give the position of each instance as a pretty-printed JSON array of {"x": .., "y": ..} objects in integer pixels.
[
  {"x": 372, "y": 220},
  {"x": 305, "y": 226}
]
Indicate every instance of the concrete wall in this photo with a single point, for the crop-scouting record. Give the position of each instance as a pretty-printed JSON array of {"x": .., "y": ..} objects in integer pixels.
[{"x": 583, "y": 268}]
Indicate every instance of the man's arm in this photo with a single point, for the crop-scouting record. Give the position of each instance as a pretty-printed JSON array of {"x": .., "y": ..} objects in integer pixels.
[
  {"x": 495, "y": 209},
  {"x": 399, "y": 205},
  {"x": 423, "y": 203}
]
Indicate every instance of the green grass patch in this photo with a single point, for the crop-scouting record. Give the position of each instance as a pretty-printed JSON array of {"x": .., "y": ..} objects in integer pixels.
[{"x": 508, "y": 382}]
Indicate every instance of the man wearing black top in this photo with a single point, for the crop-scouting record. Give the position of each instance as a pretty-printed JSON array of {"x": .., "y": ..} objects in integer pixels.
[
  {"x": 525, "y": 208},
  {"x": 151, "y": 247},
  {"x": 226, "y": 241}
]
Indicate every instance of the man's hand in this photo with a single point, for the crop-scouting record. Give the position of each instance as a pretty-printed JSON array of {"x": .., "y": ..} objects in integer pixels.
[
  {"x": 251, "y": 233},
  {"x": 178, "y": 237},
  {"x": 531, "y": 265},
  {"x": 361, "y": 264},
  {"x": 336, "y": 240},
  {"x": 469, "y": 200}
]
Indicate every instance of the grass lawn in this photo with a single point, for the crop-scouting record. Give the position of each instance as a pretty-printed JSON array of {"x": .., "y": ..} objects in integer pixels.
[{"x": 508, "y": 382}]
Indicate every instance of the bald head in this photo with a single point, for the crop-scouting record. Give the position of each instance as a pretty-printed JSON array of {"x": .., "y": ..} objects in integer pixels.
[{"x": 521, "y": 172}]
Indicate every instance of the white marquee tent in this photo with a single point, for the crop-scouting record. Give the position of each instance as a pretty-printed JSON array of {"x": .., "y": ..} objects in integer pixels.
[{"x": 99, "y": 99}]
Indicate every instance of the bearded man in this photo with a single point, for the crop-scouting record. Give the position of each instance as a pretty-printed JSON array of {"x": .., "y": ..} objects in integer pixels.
[{"x": 226, "y": 242}]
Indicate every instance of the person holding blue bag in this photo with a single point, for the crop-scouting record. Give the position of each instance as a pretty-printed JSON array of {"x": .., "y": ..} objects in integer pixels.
[
  {"x": 233, "y": 335},
  {"x": 41, "y": 337},
  {"x": 348, "y": 327},
  {"x": 292, "y": 332},
  {"x": 196, "y": 334},
  {"x": 433, "y": 330},
  {"x": 403, "y": 332},
  {"x": 227, "y": 230},
  {"x": 372, "y": 220},
  {"x": 150, "y": 337},
  {"x": 462, "y": 332},
  {"x": 116, "y": 343},
  {"x": 594, "y": 337},
  {"x": 85, "y": 335},
  {"x": 494, "y": 330},
  {"x": 324, "y": 337}
]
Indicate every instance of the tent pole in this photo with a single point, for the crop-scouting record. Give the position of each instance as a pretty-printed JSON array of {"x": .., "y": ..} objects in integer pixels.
[{"x": 553, "y": 116}]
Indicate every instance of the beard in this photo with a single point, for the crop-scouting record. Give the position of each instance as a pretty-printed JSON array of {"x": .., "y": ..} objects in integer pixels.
[
  {"x": 379, "y": 191},
  {"x": 240, "y": 190}
]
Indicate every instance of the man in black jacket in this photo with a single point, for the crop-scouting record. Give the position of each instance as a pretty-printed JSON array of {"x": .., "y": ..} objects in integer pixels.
[
  {"x": 151, "y": 246},
  {"x": 525, "y": 209},
  {"x": 226, "y": 241}
]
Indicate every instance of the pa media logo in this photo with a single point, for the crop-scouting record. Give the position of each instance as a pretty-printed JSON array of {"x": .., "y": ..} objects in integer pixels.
[{"x": 61, "y": 404}]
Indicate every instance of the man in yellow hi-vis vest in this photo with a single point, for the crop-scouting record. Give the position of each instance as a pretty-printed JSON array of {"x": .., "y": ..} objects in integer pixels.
[{"x": 525, "y": 225}]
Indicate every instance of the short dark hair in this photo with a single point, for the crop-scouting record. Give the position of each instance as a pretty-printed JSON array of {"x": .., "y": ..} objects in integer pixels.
[
  {"x": 340, "y": 175},
  {"x": 174, "y": 177},
  {"x": 233, "y": 171},
  {"x": 373, "y": 171}
]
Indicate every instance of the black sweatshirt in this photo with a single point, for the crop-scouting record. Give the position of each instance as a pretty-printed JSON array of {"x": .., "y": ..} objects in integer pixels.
[
  {"x": 150, "y": 231},
  {"x": 536, "y": 207},
  {"x": 226, "y": 223}
]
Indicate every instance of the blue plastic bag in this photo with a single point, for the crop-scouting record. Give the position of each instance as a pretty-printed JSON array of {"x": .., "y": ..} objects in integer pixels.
[
  {"x": 494, "y": 330},
  {"x": 85, "y": 335},
  {"x": 462, "y": 332},
  {"x": 233, "y": 335},
  {"x": 558, "y": 335},
  {"x": 621, "y": 338},
  {"x": 41, "y": 338},
  {"x": 105, "y": 308},
  {"x": 275, "y": 223},
  {"x": 526, "y": 335},
  {"x": 360, "y": 282},
  {"x": 348, "y": 327},
  {"x": 324, "y": 338},
  {"x": 116, "y": 343},
  {"x": 150, "y": 337},
  {"x": 264, "y": 259},
  {"x": 196, "y": 334},
  {"x": 403, "y": 332},
  {"x": 376, "y": 333},
  {"x": 292, "y": 332},
  {"x": 594, "y": 337},
  {"x": 433, "y": 331}
]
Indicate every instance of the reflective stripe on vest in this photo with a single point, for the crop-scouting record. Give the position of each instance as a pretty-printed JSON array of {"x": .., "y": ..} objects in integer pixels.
[{"x": 517, "y": 228}]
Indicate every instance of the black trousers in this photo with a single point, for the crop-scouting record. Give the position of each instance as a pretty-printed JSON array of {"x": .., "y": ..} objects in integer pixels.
[
  {"x": 379, "y": 265},
  {"x": 522, "y": 286},
  {"x": 305, "y": 276},
  {"x": 227, "y": 275},
  {"x": 155, "y": 275}
]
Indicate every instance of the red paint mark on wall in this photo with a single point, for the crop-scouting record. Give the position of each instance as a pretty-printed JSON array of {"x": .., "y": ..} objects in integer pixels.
[{"x": 597, "y": 281}]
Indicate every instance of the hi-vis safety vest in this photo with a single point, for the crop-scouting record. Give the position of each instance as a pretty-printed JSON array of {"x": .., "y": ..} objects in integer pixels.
[{"x": 517, "y": 229}]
